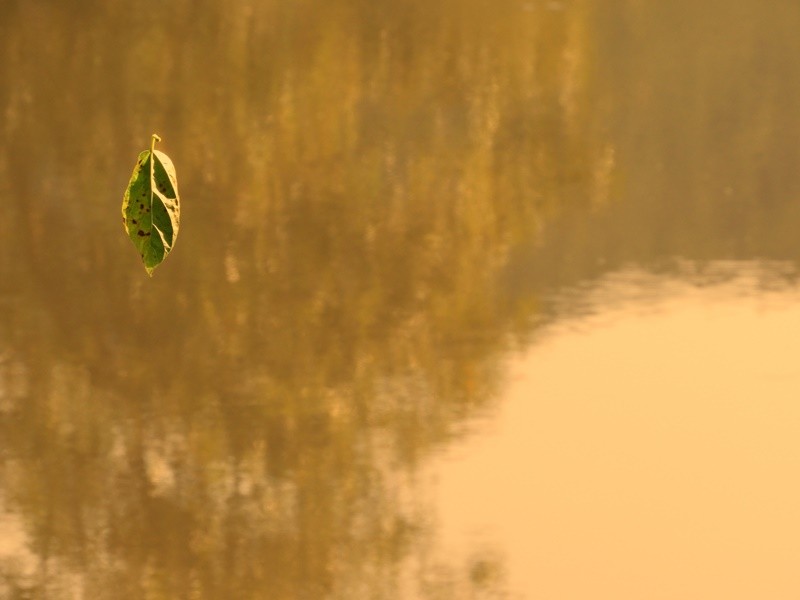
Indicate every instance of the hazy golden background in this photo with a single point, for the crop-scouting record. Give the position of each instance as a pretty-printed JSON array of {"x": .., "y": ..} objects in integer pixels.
[{"x": 380, "y": 200}]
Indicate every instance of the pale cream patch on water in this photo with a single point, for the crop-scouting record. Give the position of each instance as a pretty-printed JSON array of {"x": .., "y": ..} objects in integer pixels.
[
  {"x": 16, "y": 558},
  {"x": 647, "y": 448}
]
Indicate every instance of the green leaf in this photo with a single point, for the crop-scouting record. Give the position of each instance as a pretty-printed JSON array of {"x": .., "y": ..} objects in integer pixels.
[{"x": 151, "y": 211}]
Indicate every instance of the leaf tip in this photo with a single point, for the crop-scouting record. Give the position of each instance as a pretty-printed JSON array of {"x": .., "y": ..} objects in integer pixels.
[{"x": 153, "y": 139}]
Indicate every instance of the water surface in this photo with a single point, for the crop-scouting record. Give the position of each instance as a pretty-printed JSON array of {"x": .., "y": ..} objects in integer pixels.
[{"x": 527, "y": 268}]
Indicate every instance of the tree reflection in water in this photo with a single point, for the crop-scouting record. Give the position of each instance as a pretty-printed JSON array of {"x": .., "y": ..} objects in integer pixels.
[{"x": 248, "y": 423}]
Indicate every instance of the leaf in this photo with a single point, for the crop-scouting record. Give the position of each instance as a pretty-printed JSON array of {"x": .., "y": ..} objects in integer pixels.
[{"x": 151, "y": 211}]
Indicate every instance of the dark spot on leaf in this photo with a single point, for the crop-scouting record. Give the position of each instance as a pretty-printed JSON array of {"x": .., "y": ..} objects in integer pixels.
[
  {"x": 140, "y": 233},
  {"x": 133, "y": 221},
  {"x": 141, "y": 206}
]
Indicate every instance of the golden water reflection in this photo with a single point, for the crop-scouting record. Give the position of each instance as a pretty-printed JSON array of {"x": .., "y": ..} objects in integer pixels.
[
  {"x": 669, "y": 473},
  {"x": 250, "y": 422},
  {"x": 383, "y": 201}
]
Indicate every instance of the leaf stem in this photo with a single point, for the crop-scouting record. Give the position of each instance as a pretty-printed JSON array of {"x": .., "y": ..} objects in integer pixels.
[{"x": 153, "y": 139}]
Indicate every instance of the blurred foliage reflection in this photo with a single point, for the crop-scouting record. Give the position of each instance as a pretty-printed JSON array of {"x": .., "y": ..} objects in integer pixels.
[{"x": 247, "y": 424}]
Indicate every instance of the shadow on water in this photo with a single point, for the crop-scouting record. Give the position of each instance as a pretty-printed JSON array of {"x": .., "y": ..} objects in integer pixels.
[{"x": 353, "y": 175}]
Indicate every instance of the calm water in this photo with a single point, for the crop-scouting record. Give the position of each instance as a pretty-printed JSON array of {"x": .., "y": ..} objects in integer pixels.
[{"x": 470, "y": 300}]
